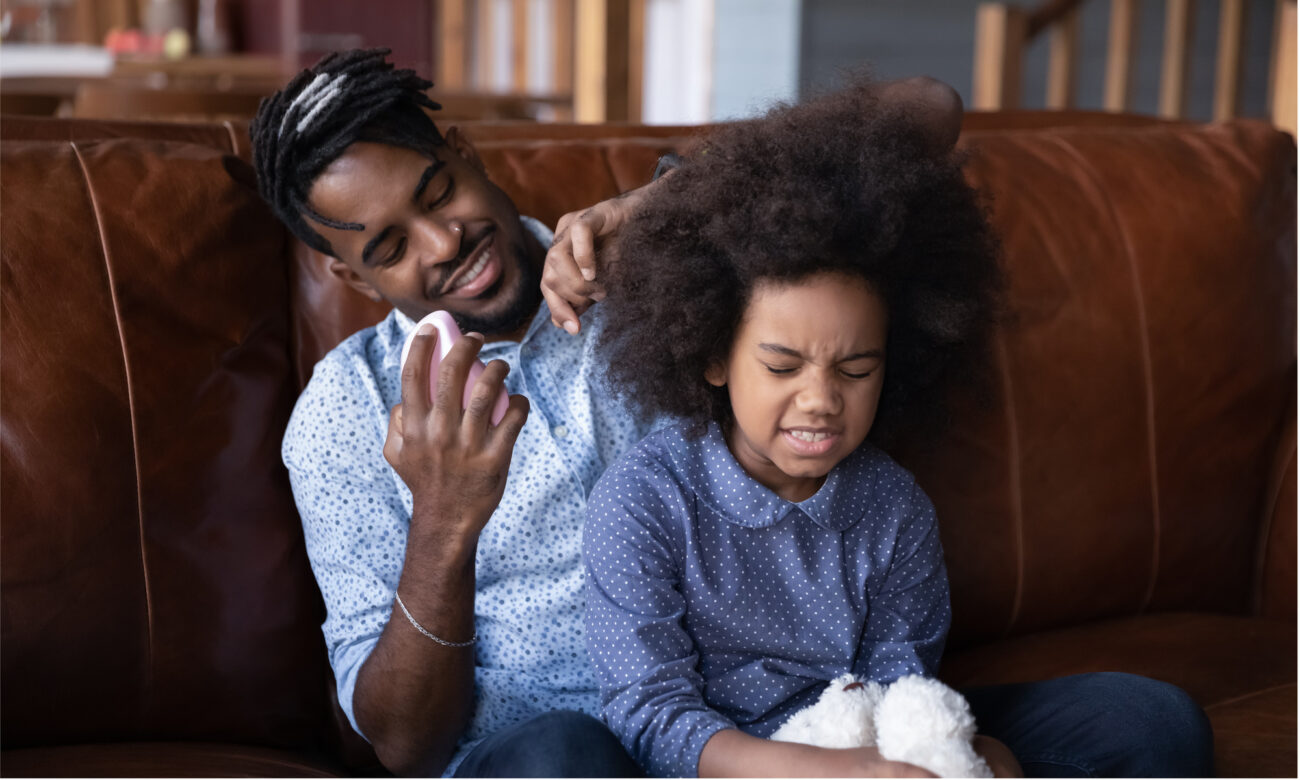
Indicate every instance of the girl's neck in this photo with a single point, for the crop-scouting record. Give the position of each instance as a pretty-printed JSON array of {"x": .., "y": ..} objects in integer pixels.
[{"x": 765, "y": 472}]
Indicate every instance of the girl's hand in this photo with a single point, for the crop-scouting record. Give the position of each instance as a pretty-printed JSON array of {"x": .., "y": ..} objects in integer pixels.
[
  {"x": 867, "y": 762},
  {"x": 998, "y": 756}
]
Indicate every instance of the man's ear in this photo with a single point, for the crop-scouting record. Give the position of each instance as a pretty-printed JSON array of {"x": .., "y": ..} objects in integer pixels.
[
  {"x": 459, "y": 144},
  {"x": 716, "y": 375},
  {"x": 344, "y": 272}
]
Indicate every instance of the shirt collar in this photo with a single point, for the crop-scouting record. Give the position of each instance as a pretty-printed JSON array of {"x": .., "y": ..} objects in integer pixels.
[{"x": 836, "y": 506}]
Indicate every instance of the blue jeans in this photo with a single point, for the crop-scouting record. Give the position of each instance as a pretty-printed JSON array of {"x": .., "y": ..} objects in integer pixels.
[
  {"x": 557, "y": 744},
  {"x": 1088, "y": 725},
  {"x": 1105, "y": 724}
]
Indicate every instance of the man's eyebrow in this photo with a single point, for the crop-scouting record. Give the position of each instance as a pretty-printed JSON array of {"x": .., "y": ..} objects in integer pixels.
[
  {"x": 425, "y": 177},
  {"x": 787, "y": 351},
  {"x": 373, "y": 243}
]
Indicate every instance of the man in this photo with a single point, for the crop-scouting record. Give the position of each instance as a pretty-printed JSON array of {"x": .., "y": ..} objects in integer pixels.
[{"x": 447, "y": 549}]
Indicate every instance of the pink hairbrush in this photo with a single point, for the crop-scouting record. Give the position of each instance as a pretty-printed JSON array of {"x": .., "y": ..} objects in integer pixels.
[{"x": 448, "y": 333}]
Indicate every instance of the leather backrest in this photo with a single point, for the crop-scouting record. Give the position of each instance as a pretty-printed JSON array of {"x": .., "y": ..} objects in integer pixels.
[
  {"x": 154, "y": 580},
  {"x": 1142, "y": 383}
]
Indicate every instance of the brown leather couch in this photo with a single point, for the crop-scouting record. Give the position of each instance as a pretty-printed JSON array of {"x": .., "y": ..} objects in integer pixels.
[{"x": 1124, "y": 499}]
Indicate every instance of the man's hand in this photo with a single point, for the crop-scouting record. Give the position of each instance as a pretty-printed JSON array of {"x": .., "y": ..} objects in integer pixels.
[
  {"x": 582, "y": 251},
  {"x": 454, "y": 461}
]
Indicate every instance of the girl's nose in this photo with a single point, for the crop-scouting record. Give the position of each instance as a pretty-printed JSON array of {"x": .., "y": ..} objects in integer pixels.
[{"x": 819, "y": 396}]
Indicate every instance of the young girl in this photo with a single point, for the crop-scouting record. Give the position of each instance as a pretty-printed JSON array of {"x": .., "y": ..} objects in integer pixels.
[{"x": 801, "y": 282}]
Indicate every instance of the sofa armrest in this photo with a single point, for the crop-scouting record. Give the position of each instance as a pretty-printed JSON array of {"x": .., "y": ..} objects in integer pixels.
[{"x": 1275, "y": 571}]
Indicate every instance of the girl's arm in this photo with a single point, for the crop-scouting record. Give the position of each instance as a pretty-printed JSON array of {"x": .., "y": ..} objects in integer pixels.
[
  {"x": 910, "y": 616},
  {"x": 733, "y": 753},
  {"x": 646, "y": 663}
]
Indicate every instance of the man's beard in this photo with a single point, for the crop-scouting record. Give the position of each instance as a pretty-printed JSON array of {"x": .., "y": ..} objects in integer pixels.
[{"x": 521, "y": 301}]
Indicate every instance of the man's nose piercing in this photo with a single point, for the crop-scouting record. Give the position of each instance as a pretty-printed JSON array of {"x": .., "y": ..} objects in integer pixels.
[{"x": 458, "y": 228}]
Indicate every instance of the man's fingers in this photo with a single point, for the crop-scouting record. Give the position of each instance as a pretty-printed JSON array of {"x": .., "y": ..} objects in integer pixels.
[
  {"x": 562, "y": 227},
  {"x": 507, "y": 431},
  {"x": 582, "y": 237},
  {"x": 415, "y": 373},
  {"x": 451, "y": 381},
  {"x": 393, "y": 441},
  {"x": 562, "y": 313},
  {"x": 478, "y": 413}
]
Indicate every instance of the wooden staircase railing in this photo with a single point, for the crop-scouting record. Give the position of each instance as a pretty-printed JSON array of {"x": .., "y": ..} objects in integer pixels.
[
  {"x": 596, "y": 46},
  {"x": 1003, "y": 31}
]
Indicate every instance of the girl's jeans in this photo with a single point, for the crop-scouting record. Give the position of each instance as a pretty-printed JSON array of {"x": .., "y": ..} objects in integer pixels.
[{"x": 1088, "y": 725}]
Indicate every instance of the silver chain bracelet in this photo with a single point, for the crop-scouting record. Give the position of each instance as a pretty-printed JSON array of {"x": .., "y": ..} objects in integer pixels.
[{"x": 422, "y": 630}]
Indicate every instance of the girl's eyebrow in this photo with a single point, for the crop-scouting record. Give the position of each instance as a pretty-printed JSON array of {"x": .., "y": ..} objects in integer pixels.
[{"x": 787, "y": 351}]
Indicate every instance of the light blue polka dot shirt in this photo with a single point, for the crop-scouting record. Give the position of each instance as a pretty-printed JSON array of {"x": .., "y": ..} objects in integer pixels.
[
  {"x": 713, "y": 603},
  {"x": 356, "y": 511}
]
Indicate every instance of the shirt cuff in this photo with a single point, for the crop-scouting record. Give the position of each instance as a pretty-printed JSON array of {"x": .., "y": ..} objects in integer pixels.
[{"x": 347, "y": 664}]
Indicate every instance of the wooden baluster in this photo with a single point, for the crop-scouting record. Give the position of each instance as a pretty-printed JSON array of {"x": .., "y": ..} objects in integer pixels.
[
  {"x": 635, "y": 59},
  {"x": 1282, "y": 75},
  {"x": 601, "y": 60},
  {"x": 999, "y": 53},
  {"x": 485, "y": 45},
  {"x": 1121, "y": 54},
  {"x": 562, "y": 23},
  {"x": 451, "y": 50},
  {"x": 1175, "y": 62},
  {"x": 1063, "y": 60},
  {"x": 1227, "y": 69},
  {"x": 519, "y": 45}
]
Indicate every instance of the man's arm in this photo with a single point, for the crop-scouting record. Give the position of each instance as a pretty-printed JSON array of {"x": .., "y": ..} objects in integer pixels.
[{"x": 413, "y": 693}]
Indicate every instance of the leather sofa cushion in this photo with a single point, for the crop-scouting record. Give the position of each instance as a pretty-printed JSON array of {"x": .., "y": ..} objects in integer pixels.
[
  {"x": 163, "y": 759},
  {"x": 1241, "y": 670},
  {"x": 152, "y": 569}
]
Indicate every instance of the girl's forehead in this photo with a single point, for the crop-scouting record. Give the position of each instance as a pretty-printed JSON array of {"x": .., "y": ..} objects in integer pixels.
[{"x": 827, "y": 310}]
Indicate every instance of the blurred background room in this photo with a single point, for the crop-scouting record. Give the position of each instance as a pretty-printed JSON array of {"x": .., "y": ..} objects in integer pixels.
[{"x": 654, "y": 61}]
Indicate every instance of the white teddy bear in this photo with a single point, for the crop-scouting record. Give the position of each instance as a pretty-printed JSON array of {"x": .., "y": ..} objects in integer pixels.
[{"x": 916, "y": 720}]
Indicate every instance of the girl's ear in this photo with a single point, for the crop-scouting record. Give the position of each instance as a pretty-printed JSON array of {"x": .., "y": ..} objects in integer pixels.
[
  {"x": 343, "y": 271},
  {"x": 716, "y": 375}
]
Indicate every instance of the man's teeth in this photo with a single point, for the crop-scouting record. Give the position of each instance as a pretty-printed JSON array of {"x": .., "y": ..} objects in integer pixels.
[
  {"x": 473, "y": 272},
  {"x": 809, "y": 435}
]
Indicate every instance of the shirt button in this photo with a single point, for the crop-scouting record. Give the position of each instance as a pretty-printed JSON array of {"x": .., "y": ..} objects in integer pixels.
[{"x": 560, "y": 431}]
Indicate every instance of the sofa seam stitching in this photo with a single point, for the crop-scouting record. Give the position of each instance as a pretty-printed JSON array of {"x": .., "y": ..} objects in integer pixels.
[
  {"x": 1148, "y": 372},
  {"x": 130, "y": 396},
  {"x": 1262, "y": 543},
  {"x": 1014, "y": 483},
  {"x": 1251, "y": 695}
]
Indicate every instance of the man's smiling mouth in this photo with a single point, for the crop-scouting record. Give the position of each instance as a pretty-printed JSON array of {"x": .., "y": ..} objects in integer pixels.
[{"x": 471, "y": 267}]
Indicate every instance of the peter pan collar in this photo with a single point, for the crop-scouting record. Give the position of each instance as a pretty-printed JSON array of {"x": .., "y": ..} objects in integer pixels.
[{"x": 744, "y": 501}]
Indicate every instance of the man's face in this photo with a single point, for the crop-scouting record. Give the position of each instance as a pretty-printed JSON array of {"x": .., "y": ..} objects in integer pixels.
[
  {"x": 804, "y": 378},
  {"x": 437, "y": 234}
]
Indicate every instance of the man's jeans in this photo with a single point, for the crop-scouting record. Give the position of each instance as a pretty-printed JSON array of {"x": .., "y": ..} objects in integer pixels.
[{"x": 1087, "y": 725}]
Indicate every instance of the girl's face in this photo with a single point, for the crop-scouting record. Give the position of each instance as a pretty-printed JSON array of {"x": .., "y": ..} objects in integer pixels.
[{"x": 804, "y": 377}]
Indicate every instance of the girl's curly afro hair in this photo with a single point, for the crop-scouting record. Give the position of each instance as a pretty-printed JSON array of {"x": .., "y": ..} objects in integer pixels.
[{"x": 834, "y": 184}]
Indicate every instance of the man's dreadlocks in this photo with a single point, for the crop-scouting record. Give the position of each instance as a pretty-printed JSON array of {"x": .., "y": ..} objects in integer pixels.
[{"x": 346, "y": 97}]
